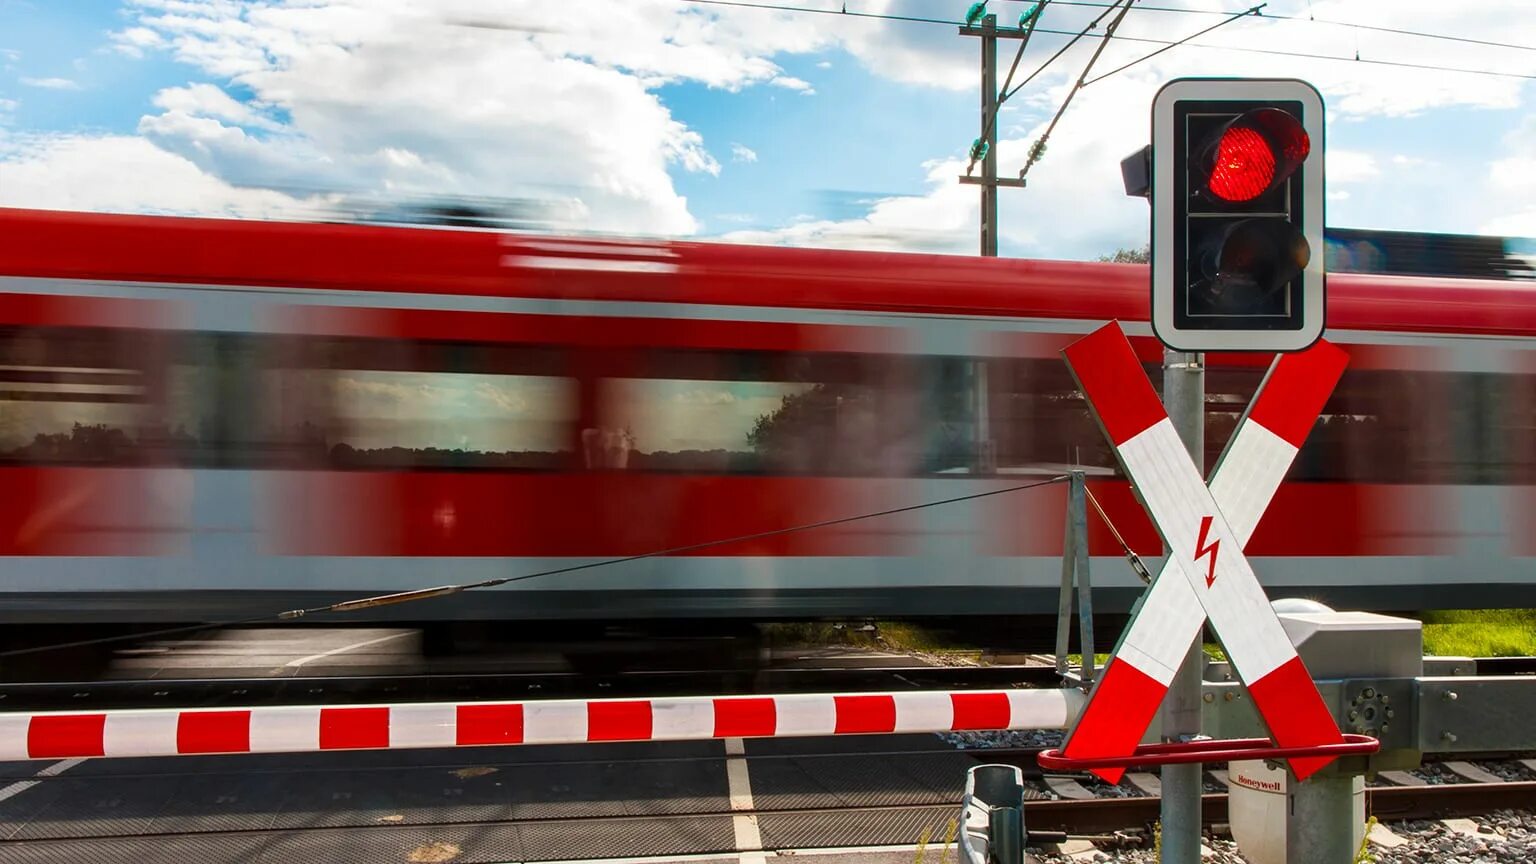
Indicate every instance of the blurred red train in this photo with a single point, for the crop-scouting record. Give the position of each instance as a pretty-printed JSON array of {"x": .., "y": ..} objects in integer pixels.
[{"x": 205, "y": 419}]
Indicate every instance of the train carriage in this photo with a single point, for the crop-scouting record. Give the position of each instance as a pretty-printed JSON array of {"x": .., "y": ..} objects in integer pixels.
[{"x": 206, "y": 419}]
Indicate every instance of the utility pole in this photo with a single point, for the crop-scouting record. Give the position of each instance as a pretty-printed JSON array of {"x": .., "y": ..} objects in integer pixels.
[{"x": 989, "y": 181}]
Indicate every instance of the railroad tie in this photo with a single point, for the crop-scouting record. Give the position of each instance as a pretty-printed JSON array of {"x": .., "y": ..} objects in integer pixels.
[
  {"x": 1471, "y": 773},
  {"x": 1068, "y": 788},
  {"x": 1382, "y": 836},
  {"x": 1402, "y": 778},
  {"x": 1147, "y": 784}
]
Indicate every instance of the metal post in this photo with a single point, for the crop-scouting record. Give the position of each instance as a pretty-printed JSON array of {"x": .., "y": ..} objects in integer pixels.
[
  {"x": 1064, "y": 599},
  {"x": 1075, "y": 580},
  {"x": 989, "y": 129},
  {"x": 1079, "y": 553},
  {"x": 1184, "y": 396},
  {"x": 1320, "y": 819}
]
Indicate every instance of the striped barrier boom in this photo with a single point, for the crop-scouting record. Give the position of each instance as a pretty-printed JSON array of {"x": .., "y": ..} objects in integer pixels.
[
  {"x": 1169, "y": 619},
  {"x": 305, "y": 729},
  {"x": 1206, "y": 551}
]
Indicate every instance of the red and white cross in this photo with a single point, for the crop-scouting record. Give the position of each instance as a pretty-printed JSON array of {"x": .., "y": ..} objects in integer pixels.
[{"x": 1206, "y": 574}]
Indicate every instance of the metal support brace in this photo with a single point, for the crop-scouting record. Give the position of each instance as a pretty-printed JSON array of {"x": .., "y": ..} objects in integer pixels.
[{"x": 1075, "y": 579}]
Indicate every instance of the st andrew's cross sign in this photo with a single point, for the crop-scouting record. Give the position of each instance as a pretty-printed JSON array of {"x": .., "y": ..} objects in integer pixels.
[{"x": 1206, "y": 574}]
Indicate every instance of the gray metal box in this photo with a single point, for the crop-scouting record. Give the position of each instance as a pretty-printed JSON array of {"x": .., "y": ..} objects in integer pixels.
[{"x": 1356, "y": 644}]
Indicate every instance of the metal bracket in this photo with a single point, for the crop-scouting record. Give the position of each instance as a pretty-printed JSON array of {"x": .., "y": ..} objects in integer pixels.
[{"x": 1018, "y": 183}]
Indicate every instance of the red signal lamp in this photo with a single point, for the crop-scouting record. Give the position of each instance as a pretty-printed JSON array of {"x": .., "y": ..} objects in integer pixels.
[{"x": 1253, "y": 154}]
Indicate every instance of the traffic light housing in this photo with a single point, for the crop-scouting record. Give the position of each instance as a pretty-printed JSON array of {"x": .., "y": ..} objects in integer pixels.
[{"x": 1237, "y": 214}]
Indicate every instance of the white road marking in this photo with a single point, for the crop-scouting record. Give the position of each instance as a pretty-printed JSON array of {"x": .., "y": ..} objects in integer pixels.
[
  {"x": 749, "y": 840},
  {"x": 302, "y": 661},
  {"x": 53, "y": 770}
]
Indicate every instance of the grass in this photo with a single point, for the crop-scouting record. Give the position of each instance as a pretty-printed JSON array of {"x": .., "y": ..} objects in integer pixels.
[
  {"x": 1459, "y": 633},
  {"x": 881, "y": 635},
  {"x": 1480, "y": 633}
]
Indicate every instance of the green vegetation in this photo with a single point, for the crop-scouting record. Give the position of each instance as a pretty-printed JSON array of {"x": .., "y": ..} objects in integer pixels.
[
  {"x": 1129, "y": 256},
  {"x": 879, "y": 635},
  {"x": 1480, "y": 633}
]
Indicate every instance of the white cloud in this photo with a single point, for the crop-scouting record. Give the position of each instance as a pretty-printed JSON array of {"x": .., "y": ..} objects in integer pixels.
[
  {"x": 9, "y": 104},
  {"x": 1350, "y": 166},
  {"x": 51, "y": 83},
  {"x": 210, "y": 101},
  {"x": 126, "y": 174},
  {"x": 790, "y": 83},
  {"x": 825, "y": 64},
  {"x": 406, "y": 98},
  {"x": 136, "y": 40},
  {"x": 742, "y": 153},
  {"x": 1511, "y": 185}
]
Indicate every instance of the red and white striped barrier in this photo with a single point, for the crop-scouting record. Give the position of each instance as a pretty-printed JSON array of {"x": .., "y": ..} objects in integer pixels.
[
  {"x": 1170, "y": 617},
  {"x": 303, "y": 729}
]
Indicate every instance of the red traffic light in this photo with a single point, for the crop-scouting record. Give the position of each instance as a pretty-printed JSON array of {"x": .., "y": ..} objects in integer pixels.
[{"x": 1253, "y": 154}]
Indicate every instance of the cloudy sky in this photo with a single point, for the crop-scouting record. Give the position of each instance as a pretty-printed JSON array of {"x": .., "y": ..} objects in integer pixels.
[{"x": 671, "y": 117}]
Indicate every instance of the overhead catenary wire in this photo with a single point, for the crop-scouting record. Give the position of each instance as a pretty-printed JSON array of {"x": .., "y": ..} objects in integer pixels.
[
  {"x": 1428, "y": 67},
  {"x": 444, "y": 590},
  {"x": 1169, "y": 47},
  {"x": 1052, "y": 59},
  {"x": 1374, "y": 28},
  {"x": 1037, "y": 149}
]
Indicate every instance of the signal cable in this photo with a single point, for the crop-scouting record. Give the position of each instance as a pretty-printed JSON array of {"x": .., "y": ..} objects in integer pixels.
[
  {"x": 745, "y": 4},
  {"x": 444, "y": 590}
]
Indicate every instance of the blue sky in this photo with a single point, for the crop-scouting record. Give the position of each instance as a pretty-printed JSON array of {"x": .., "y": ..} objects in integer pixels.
[{"x": 666, "y": 117}]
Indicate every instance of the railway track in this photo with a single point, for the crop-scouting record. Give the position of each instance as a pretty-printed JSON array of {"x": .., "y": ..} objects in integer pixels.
[
  {"x": 199, "y": 692},
  {"x": 1109, "y": 822},
  {"x": 1396, "y": 796},
  {"x": 489, "y": 686}
]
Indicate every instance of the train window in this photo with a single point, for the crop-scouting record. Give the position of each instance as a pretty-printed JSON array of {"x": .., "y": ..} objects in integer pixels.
[
  {"x": 779, "y": 413},
  {"x": 77, "y": 396},
  {"x": 1040, "y": 421},
  {"x": 1513, "y": 438},
  {"x": 395, "y": 404},
  {"x": 1383, "y": 426}
]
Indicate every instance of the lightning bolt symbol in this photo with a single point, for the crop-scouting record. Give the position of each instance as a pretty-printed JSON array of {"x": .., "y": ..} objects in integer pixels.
[{"x": 1201, "y": 549}]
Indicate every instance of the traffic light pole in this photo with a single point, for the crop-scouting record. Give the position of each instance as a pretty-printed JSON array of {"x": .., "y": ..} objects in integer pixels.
[
  {"x": 989, "y": 181},
  {"x": 1184, "y": 396}
]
